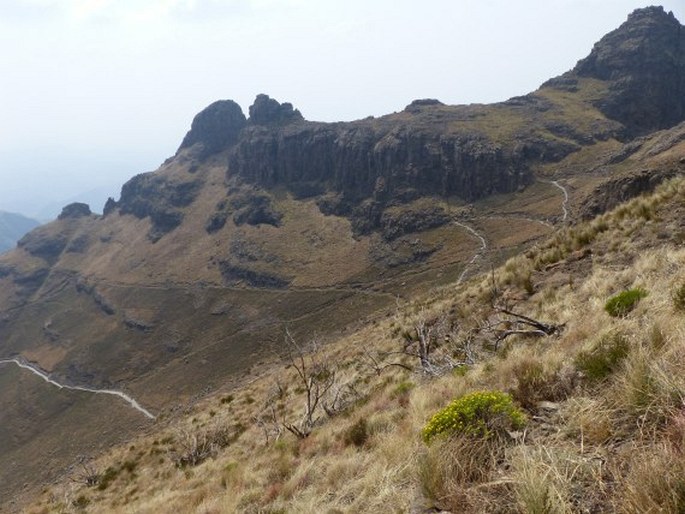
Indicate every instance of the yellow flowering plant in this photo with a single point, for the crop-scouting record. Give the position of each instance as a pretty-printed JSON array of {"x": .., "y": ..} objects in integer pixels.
[{"x": 479, "y": 414}]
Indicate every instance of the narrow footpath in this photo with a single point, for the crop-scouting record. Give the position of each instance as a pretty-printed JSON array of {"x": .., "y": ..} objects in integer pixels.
[
  {"x": 477, "y": 255},
  {"x": 564, "y": 209},
  {"x": 37, "y": 371}
]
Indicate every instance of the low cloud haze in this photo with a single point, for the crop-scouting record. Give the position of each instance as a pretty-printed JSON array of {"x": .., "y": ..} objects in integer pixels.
[{"x": 95, "y": 91}]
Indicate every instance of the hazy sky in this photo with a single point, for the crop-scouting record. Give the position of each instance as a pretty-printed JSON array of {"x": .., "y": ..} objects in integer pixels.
[{"x": 94, "y": 91}]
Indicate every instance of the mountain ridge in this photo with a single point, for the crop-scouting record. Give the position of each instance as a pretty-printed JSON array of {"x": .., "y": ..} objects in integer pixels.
[
  {"x": 357, "y": 169},
  {"x": 267, "y": 222}
]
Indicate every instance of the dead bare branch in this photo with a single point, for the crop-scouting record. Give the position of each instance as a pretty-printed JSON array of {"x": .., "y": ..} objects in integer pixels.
[
  {"x": 316, "y": 378},
  {"x": 87, "y": 474},
  {"x": 435, "y": 342}
]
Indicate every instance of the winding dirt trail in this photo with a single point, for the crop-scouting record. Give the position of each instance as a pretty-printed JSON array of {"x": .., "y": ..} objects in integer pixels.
[
  {"x": 37, "y": 371},
  {"x": 564, "y": 209},
  {"x": 477, "y": 255}
]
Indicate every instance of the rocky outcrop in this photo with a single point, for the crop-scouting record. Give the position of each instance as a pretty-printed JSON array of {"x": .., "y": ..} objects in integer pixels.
[
  {"x": 401, "y": 252},
  {"x": 362, "y": 168},
  {"x": 267, "y": 111},
  {"x": 45, "y": 243},
  {"x": 75, "y": 210},
  {"x": 218, "y": 219},
  {"x": 78, "y": 244},
  {"x": 358, "y": 169},
  {"x": 616, "y": 191},
  {"x": 215, "y": 128},
  {"x": 406, "y": 221},
  {"x": 416, "y": 105},
  {"x": 644, "y": 62},
  {"x": 244, "y": 205},
  {"x": 83, "y": 286},
  {"x": 157, "y": 197},
  {"x": 110, "y": 206},
  {"x": 236, "y": 275},
  {"x": 30, "y": 281},
  {"x": 254, "y": 208}
]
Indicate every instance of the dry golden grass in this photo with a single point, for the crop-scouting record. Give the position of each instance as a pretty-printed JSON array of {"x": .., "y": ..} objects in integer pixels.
[{"x": 612, "y": 444}]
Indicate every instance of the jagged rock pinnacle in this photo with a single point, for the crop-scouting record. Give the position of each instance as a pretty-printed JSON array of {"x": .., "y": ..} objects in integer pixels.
[
  {"x": 645, "y": 61},
  {"x": 266, "y": 110}
]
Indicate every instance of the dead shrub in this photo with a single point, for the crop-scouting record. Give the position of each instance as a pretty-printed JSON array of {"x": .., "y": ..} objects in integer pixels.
[{"x": 196, "y": 446}]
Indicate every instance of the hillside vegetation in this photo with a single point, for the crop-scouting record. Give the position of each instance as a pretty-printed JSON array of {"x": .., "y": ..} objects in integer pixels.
[{"x": 597, "y": 425}]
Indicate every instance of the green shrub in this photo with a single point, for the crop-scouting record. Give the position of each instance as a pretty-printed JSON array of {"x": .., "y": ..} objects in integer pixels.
[
  {"x": 479, "y": 414},
  {"x": 624, "y": 302},
  {"x": 604, "y": 358}
]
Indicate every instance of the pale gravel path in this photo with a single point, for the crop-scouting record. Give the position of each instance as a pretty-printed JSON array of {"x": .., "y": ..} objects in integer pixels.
[
  {"x": 565, "y": 202},
  {"x": 37, "y": 371},
  {"x": 477, "y": 255}
]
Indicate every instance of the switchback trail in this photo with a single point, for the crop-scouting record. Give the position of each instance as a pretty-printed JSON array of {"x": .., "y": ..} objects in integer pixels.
[
  {"x": 565, "y": 202},
  {"x": 37, "y": 371},
  {"x": 476, "y": 256}
]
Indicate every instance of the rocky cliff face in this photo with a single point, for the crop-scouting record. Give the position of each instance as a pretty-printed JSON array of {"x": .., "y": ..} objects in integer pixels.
[
  {"x": 354, "y": 169},
  {"x": 362, "y": 160}
]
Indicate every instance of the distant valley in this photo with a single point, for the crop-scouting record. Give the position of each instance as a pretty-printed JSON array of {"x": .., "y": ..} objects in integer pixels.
[{"x": 12, "y": 228}]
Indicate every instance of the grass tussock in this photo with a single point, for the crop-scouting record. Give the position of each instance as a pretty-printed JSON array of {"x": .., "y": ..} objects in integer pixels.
[
  {"x": 541, "y": 379},
  {"x": 453, "y": 470},
  {"x": 655, "y": 481},
  {"x": 679, "y": 297},
  {"x": 603, "y": 357},
  {"x": 624, "y": 302}
]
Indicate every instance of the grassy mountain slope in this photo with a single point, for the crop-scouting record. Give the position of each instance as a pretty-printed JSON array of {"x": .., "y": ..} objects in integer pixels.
[
  {"x": 602, "y": 398},
  {"x": 187, "y": 283}
]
